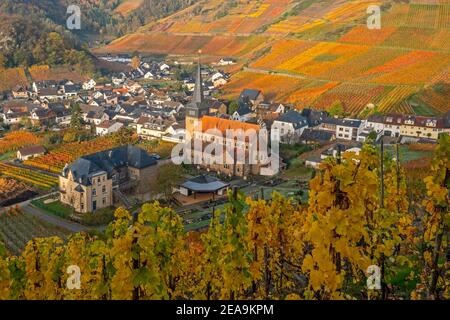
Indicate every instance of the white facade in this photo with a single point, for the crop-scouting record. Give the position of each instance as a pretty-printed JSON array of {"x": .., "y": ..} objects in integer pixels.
[
  {"x": 287, "y": 129},
  {"x": 89, "y": 85},
  {"x": 107, "y": 129}
]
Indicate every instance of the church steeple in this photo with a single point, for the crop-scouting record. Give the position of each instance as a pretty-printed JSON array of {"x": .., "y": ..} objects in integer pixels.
[{"x": 198, "y": 91}]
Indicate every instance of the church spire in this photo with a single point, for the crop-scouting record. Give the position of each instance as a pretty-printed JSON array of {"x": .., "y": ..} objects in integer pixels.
[{"x": 198, "y": 91}]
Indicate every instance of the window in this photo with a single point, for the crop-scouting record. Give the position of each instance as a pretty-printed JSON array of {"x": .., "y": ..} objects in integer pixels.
[
  {"x": 94, "y": 192},
  {"x": 103, "y": 189},
  {"x": 82, "y": 206},
  {"x": 104, "y": 201}
]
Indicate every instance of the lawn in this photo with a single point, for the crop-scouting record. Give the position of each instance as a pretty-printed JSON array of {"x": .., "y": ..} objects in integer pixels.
[
  {"x": 297, "y": 170},
  {"x": 290, "y": 152},
  {"x": 408, "y": 155},
  {"x": 55, "y": 208}
]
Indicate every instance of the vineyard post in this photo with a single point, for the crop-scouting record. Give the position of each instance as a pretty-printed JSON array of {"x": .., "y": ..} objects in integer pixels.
[
  {"x": 383, "y": 283},
  {"x": 382, "y": 173}
]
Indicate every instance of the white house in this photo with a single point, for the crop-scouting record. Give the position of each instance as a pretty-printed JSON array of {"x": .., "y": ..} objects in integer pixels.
[
  {"x": 149, "y": 75},
  {"x": 96, "y": 117},
  {"x": 117, "y": 81},
  {"x": 89, "y": 85},
  {"x": 290, "y": 126},
  {"x": 217, "y": 76},
  {"x": 226, "y": 61},
  {"x": 107, "y": 127},
  {"x": 219, "y": 82},
  {"x": 150, "y": 128},
  {"x": 30, "y": 152},
  {"x": 243, "y": 113},
  {"x": 164, "y": 67},
  {"x": 11, "y": 117},
  {"x": 347, "y": 129}
]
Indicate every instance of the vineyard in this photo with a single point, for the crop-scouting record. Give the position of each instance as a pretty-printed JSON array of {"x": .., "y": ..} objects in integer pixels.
[
  {"x": 354, "y": 97},
  {"x": 274, "y": 86},
  {"x": 394, "y": 98},
  {"x": 11, "y": 77},
  {"x": 34, "y": 178},
  {"x": 55, "y": 160},
  {"x": 41, "y": 73},
  {"x": 17, "y": 228},
  {"x": 128, "y": 6},
  {"x": 319, "y": 45},
  {"x": 15, "y": 140},
  {"x": 259, "y": 249},
  {"x": 10, "y": 188}
]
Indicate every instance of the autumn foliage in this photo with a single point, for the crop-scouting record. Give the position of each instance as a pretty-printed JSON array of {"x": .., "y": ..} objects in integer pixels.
[{"x": 358, "y": 215}]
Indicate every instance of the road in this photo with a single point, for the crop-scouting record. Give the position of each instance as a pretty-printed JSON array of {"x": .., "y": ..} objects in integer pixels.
[{"x": 60, "y": 222}]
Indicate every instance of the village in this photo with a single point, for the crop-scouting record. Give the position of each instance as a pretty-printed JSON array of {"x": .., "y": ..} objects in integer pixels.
[{"x": 146, "y": 118}]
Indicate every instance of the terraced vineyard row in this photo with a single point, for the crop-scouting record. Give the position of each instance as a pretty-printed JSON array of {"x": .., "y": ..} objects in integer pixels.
[
  {"x": 17, "y": 228},
  {"x": 394, "y": 97},
  {"x": 56, "y": 159},
  {"x": 37, "y": 179}
]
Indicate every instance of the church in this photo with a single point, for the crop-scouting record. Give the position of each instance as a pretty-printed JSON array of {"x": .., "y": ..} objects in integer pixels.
[{"x": 199, "y": 126}]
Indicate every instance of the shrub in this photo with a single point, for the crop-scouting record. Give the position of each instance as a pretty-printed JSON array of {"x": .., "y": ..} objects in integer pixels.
[{"x": 98, "y": 218}]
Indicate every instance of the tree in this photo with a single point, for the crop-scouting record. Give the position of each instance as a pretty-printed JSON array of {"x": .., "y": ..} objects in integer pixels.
[
  {"x": 135, "y": 62},
  {"x": 350, "y": 225},
  {"x": 4, "y": 274},
  {"x": 232, "y": 108},
  {"x": 26, "y": 122},
  {"x": 2, "y": 61},
  {"x": 124, "y": 136},
  {"x": 233, "y": 257},
  {"x": 436, "y": 227},
  {"x": 76, "y": 121},
  {"x": 168, "y": 177},
  {"x": 337, "y": 109}
]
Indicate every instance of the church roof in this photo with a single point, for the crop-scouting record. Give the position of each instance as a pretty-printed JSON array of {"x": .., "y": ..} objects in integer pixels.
[{"x": 198, "y": 98}]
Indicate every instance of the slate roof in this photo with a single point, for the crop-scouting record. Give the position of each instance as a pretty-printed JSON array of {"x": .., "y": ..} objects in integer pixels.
[
  {"x": 343, "y": 122},
  {"x": 243, "y": 109},
  {"x": 295, "y": 118},
  {"x": 251, "y": 94},
  {"x": 447, "y": 120},
  {"x": 316, "y": 135},
  {"x": 48, "y": 92},
  {"x": 204, "y": 183},
  {"x": 314, "y": 117},
  {"x": 107, "y": 161}
]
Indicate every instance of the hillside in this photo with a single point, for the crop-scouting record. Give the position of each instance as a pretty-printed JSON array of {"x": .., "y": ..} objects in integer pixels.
[
  {"x": 317, "y": 53},
  {"x": 35, "y": 32}
]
